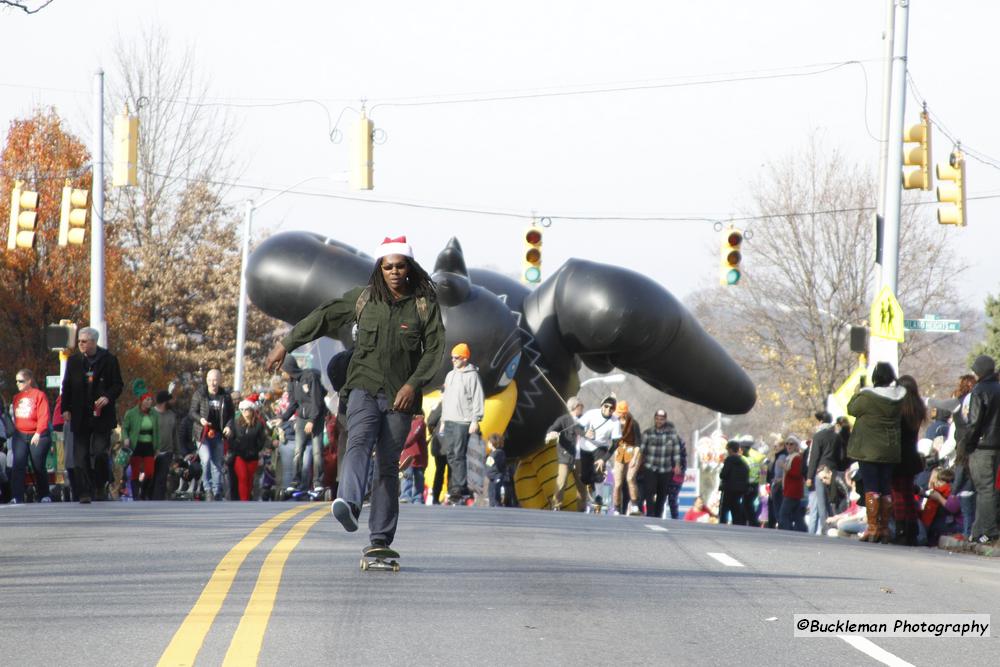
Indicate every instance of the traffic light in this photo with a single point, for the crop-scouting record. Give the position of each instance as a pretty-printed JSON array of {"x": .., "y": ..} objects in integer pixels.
[
  {"x": 23, "y": 217},
  {"x": 60, "y": 336},
  {"x": 532, "y": 270},
  {"x": 73, "y": 218},
  {"x": 730, "y": 256},
  {"x": 918, "y": 156},
  {"x": 126, "y": 145},
  {"x": 952, "y": 192},
  {"x": 362, "y": 165}
]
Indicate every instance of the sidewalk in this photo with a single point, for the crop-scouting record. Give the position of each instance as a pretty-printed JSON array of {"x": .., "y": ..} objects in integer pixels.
[{"x": 949, "y": 543}]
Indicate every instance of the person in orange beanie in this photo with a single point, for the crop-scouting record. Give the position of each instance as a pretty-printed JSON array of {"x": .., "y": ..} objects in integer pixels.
[{"x": 462, "y": 409}]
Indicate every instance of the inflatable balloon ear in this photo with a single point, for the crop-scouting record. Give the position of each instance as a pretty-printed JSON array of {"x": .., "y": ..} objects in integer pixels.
[
  {"x": 139, "y": 386},
  {"x": 526, "y": 345}
]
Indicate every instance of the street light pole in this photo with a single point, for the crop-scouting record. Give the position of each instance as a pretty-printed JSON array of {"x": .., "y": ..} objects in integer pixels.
[
  {"x": 241, "y": 316},
  {"x": 97, "y": 215}
]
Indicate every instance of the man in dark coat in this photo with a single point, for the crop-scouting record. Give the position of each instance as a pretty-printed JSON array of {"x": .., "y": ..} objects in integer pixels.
[
  {"x": 91, "y": 385},
  {"x": 822, "y": 454},
  {"x": 305, "y": 401},
  {"x": 982, "y": 443}
]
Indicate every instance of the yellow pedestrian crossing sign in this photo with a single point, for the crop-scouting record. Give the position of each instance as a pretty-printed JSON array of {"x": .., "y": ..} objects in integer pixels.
[{"x": 886, "y": 319}]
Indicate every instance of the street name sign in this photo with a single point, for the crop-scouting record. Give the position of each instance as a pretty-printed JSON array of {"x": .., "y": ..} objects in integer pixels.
[{"x": 933, "y": 326}]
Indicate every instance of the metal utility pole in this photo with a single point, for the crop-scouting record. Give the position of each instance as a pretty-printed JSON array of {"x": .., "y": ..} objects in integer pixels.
[
  {"x": 97, "y": 214},
  {"x": 883, "y": 349},
  {"x": 894, "y": 146},
  {"x": 241, "y": 317},
  {"x": 887, "y": 38}
]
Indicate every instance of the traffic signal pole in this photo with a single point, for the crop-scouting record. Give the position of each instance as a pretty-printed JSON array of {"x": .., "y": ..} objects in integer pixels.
[
  {"x": 97, "y": 214},
  {"x": 887, "y": 38},
  {"x": 883, "y": 349}
]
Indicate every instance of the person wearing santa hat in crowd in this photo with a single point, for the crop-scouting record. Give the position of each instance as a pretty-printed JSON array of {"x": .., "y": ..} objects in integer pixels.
[
  {"x": 250, "y": 438},
  {"x": 399, "y": 347}
]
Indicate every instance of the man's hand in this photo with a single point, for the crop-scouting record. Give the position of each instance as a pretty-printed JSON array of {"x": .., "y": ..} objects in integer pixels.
[
  {"x": 66, "y": 416},
  {"x": 589, "y": 434},
  {"x": 128, "y": 444},
  {"x": 227, "y": 432},
  {"x": 677, "y": 470},
  {"x": 275, "y": 357},
  {"x": 35, "y": 439},
  {"x": 404, "y": 398},
  {"x": 474, "y": 428},
  {"x": 101, "y": 402},
  {"x": 809, "y": 484},
  {"x": 308, "y": 428},
  {"x": 204, "y": 422}
]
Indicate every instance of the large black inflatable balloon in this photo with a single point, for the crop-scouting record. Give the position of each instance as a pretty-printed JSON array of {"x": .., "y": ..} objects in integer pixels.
[{"x": 532, "y": 341}]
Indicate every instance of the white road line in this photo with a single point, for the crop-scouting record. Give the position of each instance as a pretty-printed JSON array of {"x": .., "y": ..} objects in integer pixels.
[
  {"x": 726, "y": 559},
  {"x": 875, "y": 652},
  {"x": 659, "y": 529}
]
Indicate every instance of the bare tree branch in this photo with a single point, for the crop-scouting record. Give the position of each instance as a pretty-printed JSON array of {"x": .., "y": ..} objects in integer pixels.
[{"x": 24, "y": 6}]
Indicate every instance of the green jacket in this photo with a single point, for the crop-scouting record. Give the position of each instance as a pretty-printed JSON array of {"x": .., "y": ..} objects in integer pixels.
[
  {"x": 133, "y": 422},
  {"x": 875, "y": 437},
  {"x": 392, "y": 349}
]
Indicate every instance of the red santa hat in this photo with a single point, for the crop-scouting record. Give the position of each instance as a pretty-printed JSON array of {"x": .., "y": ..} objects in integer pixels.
[{"x": 396, "y": 246}]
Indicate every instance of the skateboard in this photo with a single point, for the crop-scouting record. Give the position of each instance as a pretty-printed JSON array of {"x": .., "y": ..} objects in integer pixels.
[{"x": 380, "y": 558}]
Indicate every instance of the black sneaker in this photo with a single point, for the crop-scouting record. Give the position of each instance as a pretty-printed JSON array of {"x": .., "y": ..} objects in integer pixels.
[{"x": 345, "y": 514}]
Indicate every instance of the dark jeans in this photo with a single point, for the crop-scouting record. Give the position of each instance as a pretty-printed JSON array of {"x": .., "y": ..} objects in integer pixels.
[
  {"x": 983, "y": 471},
  {"x": 655, "y": 487},
  {"x": 440, "y": 466},
  {"x": 162, "y": 470},
  {"x": 732, "y": 504},
  {"x": 23, "y": 450},
  {"x": 774, "y": 505},
  {"x": 371, "y": 425},
  {"x": 750, "y": 504},
  {"x": 456, "y": 444},
  {"x": 90, "y": 453},
  {"x": 792, "y": 515},
  {"x": 876, "y": 477}
]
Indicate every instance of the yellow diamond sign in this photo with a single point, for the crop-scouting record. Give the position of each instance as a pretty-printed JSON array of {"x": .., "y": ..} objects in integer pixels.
[{"x": 886, "y": 319}]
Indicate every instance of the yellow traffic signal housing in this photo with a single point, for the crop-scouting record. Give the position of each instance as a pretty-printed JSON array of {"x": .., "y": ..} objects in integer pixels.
[
  {"x": 362, "y": 164},
  {"x": 23, "y": 217},
  {"x": 918, "y": 156},
  {"x": 73, "y": 217},
  {"x": 126, "y": 150},
  {"x": 531, "y": 273},
  {"x": 730, "y": 257},
  {"x": 952, "y": 192}
]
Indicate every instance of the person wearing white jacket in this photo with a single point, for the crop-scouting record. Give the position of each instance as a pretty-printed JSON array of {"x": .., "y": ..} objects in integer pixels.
[{"x": 461, "y": 412}]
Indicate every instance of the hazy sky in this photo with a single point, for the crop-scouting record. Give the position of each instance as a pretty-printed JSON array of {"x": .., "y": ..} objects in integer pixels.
[{"x": 665, "y": 151}]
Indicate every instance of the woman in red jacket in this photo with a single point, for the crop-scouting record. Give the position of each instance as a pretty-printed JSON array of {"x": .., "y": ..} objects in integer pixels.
[{"x": 31, "y": 437}]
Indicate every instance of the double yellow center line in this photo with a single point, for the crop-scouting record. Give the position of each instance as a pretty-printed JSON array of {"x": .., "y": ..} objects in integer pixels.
[{"x": 246, "y": 643}]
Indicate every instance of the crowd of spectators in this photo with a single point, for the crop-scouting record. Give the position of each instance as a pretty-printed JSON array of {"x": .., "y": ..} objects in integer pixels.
[{"x": 908, "y": 471}]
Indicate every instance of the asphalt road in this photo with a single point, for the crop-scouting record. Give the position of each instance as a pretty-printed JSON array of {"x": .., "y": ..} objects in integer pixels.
[{"x": 173, "y": 582}]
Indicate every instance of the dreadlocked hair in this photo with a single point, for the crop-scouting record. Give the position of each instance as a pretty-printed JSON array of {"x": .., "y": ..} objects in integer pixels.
[{"x": 417, "y": 279}]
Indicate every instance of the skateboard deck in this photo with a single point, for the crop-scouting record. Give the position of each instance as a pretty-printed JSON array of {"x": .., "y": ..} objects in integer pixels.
[{"x": 380, "y": 559}]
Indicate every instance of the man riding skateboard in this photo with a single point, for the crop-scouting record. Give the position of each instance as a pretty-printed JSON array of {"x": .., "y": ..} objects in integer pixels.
[{"x": 400, "y": 343}]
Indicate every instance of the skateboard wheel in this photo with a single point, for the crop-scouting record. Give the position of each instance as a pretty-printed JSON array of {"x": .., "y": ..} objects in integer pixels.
[
  {"x": 364, "y": 565},
  {"x": 395, "y": 567}
]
